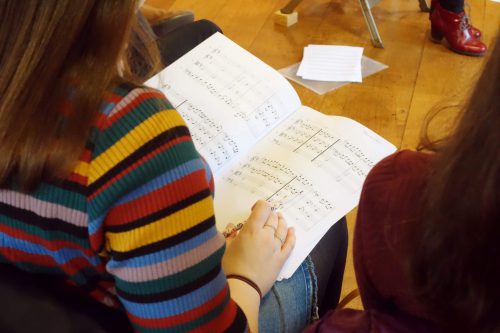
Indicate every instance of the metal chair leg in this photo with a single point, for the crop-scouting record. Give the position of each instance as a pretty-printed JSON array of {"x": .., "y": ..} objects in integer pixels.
[
  {"x": 290, "y": 7},
  {"x": 372, "y": 27},
  {"x": 366, "y": 9},
  {"x": 424, "y": 6}
]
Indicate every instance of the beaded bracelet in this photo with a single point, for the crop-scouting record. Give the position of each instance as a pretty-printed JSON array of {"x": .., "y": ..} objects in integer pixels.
[{"x": 247, "y": 281}]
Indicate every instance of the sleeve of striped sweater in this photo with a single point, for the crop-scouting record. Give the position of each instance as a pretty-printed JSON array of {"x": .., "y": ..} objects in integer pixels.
[{"x": 151, "y": 213}]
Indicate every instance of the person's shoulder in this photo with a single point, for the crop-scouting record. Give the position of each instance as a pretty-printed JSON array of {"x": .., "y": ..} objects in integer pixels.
[
  {"x": 403, "y": 161},
  {"x": 407, "y": 161},
  {"x": 138, "y": 115},
  {"x": 403, "y": 164},
  {"x": 127, "y": 97},
  {"x": 394, "y": 186}
]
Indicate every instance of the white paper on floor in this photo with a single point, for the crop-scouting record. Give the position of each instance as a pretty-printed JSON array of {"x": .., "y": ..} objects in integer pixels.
[
  {"x": 337, "y": 63},
  {"x": 368, "y": 67}
]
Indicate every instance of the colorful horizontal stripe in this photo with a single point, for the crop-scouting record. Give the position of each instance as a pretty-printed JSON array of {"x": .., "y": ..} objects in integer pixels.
[{"x": 133, "y": 224}]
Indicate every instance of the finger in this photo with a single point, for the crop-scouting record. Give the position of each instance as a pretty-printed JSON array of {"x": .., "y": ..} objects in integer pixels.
[
  {"x": 272, "y": 206},
  {"x": 289, "y": 244},
  {"x": 281, "y": 229},
  {"x": 280, "y": 232},
  {"x": 272, "y": 222},
  {"x": 260, "y": 214}
]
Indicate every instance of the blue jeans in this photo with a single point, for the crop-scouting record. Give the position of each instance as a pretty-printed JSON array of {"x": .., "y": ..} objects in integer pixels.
[
  {"x": 314, "y": 288},
  {"x": 290, "y": 304}
]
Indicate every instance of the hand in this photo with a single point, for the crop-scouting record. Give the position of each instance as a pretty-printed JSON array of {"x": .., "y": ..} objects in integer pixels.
[
  {"x": 154, "y": 14},
  {"x": 258, "y": 252}
]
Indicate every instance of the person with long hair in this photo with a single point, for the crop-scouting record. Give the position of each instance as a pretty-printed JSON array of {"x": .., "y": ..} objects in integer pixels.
[
  {"x": 105, "y": 202},
  {"x": 102, "y": 187},
  {"x": 426, "y": 252}
]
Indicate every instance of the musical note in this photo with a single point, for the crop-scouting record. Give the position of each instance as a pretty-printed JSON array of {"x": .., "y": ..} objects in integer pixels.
[
  {"x": 252, "y": 99},
  {"x": 247, "y": 103},
  {"x": 209, "y": 136},
  {"x": 262, "y": 143},
  {"x": 342, "y": 159},
  {"x": 283, "y": 188}
]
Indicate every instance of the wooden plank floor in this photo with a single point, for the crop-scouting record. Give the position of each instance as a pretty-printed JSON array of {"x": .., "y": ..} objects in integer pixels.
[{"x": 394, "y": 102}]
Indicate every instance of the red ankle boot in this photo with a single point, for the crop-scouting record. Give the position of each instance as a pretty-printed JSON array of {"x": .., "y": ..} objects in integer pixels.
[
  {"x": 475, "y": 32},
  {"x": 454, "y": 28}
]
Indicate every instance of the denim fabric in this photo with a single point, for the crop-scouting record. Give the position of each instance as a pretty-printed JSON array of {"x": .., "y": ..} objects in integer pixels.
[{"x": 288, "y": 307}]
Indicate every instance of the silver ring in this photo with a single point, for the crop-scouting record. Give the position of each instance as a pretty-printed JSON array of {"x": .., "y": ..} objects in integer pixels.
[
  {"x": 282, "y": 241},
  {"x": 272, "y": 227}
]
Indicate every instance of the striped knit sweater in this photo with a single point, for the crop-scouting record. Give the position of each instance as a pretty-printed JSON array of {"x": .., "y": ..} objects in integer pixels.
[{"x": 133, "y": 224}]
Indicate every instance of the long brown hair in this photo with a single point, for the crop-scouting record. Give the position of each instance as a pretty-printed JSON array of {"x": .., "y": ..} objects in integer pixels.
[
  {"x": 455, "y": 265},
  {"x": 53, "y": 52}
]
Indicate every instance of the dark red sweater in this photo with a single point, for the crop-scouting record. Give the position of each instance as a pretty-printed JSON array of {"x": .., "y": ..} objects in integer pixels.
[{"x": 387, "y": 217}]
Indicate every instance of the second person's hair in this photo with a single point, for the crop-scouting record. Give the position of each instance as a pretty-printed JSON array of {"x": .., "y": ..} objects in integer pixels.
[{"x": 455, "y": 263}]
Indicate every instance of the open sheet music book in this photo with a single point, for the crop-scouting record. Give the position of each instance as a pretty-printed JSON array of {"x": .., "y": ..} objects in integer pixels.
[{"x": 261, "y": 143}]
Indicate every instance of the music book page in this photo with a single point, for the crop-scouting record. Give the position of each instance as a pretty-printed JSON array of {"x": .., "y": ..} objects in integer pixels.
[
  {"x": 229, "y": 98},
  {"x": 261, "y": 143}
]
